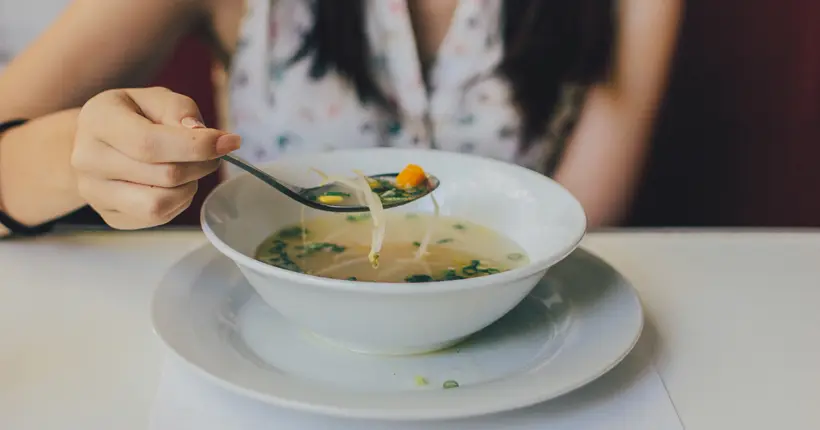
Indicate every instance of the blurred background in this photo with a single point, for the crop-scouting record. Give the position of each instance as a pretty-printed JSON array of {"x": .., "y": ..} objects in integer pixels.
[{"x": 737, "y": 142}]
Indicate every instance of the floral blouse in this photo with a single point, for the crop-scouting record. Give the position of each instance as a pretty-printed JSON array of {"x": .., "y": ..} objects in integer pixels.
[{"x": 279, "y": 109}]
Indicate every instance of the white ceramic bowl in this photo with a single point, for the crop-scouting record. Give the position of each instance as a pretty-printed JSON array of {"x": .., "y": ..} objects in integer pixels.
[{"x": 536, "y": 212}]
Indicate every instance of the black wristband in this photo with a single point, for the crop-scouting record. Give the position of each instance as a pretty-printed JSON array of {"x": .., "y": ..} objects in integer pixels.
[{"x": 16, "y": 228}]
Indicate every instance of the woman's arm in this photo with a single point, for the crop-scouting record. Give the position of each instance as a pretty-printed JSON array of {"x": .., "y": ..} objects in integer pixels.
[
  {"x": 95, "y": 45},
  {"x": 36, "y": 181},
  {"x": 605, "y": 157}
]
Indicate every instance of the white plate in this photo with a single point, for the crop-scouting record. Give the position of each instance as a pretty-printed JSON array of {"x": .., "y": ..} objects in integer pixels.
[{"x": 579, "y": 322}]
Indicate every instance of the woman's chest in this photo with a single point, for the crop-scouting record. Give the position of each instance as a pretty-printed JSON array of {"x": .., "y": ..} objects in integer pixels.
[
  {"x": 304, "y": 116},
  {"x": 462, "y": 104}
]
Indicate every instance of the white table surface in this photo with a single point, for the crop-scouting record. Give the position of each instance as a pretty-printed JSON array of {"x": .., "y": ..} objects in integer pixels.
[{"x": 737, "y": 316}]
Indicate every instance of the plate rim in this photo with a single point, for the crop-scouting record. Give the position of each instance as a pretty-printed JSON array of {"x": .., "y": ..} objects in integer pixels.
[{"x": 384, "y": 414}]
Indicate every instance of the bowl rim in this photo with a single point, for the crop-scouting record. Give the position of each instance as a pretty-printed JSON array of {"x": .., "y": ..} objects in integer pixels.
[{"x": 502, "y": 278}]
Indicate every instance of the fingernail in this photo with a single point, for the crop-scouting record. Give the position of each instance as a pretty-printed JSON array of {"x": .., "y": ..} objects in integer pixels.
[
  {"x": 228, "y": 143},
  {"x": 191, "y": 122}
]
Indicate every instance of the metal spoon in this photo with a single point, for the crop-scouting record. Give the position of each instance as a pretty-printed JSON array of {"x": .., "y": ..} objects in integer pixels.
[{"x": 310, "y": 196}]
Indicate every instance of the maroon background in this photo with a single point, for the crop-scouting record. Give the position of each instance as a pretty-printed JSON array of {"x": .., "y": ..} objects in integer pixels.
[
  {"x": 738, "y": 139},
  {"x": 189, "y": 73},
  {"x": 738, "y": 143}
]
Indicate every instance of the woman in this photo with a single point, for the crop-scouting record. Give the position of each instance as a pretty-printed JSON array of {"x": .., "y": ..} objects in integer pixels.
[{"x": 567, "y": 88}]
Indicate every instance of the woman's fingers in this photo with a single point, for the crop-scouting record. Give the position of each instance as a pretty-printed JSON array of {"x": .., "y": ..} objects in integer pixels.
[
  {"x": 100, "y": 160},
  {"x": 116, "y": 119},
  {"x": 138, "y": 154},
  {"x": 163, "y": 106},
  {"x": 129, "y": 206}
]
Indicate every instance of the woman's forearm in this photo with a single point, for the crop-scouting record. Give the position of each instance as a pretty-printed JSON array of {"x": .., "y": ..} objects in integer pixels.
[
  {"x": 36, "y": 181},
  {"x": 605, "y": 157}
]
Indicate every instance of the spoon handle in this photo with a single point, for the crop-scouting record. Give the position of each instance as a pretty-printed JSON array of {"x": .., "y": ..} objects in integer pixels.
[
  {"x": 303, "y": 195},
  {"x": 268, "y": 179}
]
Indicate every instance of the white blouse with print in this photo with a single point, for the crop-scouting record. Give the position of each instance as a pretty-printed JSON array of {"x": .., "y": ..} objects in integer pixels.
[{"x": 279, "y": 109}]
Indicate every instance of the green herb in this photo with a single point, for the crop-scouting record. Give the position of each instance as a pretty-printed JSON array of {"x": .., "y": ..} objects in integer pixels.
[
  {"x": 415, "y": 191},
  {"x": 451, "y": 275},
  {"x": 459, "y": 227},
  {"x": 515, "y": 256},
  {"x": 319, "y": 246},
  {"x": 278, "y": 247},
  {"x": 360, "y": 217},
  {"x": 292, "y": 232},
  {"x": 283, "y": 261},
  {"x": 471, "y": 269},
  {"x": 352, "y": 278},
  {"x": 419, "y": 278},
  {"x": 337, "y": 194},
  {"x": 382, "y": 186},
  {"x": 290, "y": 265},
  {"x": 443, "y": 241},
  {"x": 449, "y": 384},
  {"x": 389, "y": 192},
  {"x": 417, "y": 244},
  {"x": 475, "y": 268},
  {"x": 280, "y": 257}
]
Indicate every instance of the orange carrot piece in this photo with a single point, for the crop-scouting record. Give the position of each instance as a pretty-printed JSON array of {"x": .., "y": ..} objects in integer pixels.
[{"x": 411, "y": 176}]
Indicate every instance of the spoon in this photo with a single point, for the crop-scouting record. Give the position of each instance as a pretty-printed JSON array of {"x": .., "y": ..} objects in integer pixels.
[{"x": 336, "y": 196}]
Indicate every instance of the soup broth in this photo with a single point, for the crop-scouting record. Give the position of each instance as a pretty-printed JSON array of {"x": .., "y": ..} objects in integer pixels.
[{"x": 337, "y": 246}]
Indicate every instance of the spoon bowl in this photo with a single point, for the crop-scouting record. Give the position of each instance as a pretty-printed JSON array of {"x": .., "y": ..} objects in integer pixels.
[{"x": 313, "y": 196}]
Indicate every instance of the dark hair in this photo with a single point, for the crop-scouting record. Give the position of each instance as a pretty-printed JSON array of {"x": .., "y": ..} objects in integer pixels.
[{"x": 547, "y": 43}]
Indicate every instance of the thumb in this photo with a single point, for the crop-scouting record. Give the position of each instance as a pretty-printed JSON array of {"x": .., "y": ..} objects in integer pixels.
[
  {"x": 181, "y": 131},
  {"x": 163, "y": 106}
]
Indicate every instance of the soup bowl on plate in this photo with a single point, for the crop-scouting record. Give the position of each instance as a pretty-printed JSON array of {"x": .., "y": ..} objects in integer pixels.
[{"x": 535, "y": 212}]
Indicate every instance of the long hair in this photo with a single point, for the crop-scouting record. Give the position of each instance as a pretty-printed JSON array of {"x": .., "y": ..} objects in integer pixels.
[{"x": 547, "y": 43}]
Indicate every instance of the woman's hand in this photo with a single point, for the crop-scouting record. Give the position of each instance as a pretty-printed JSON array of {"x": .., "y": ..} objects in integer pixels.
[{"x": 138, "y": 154}]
